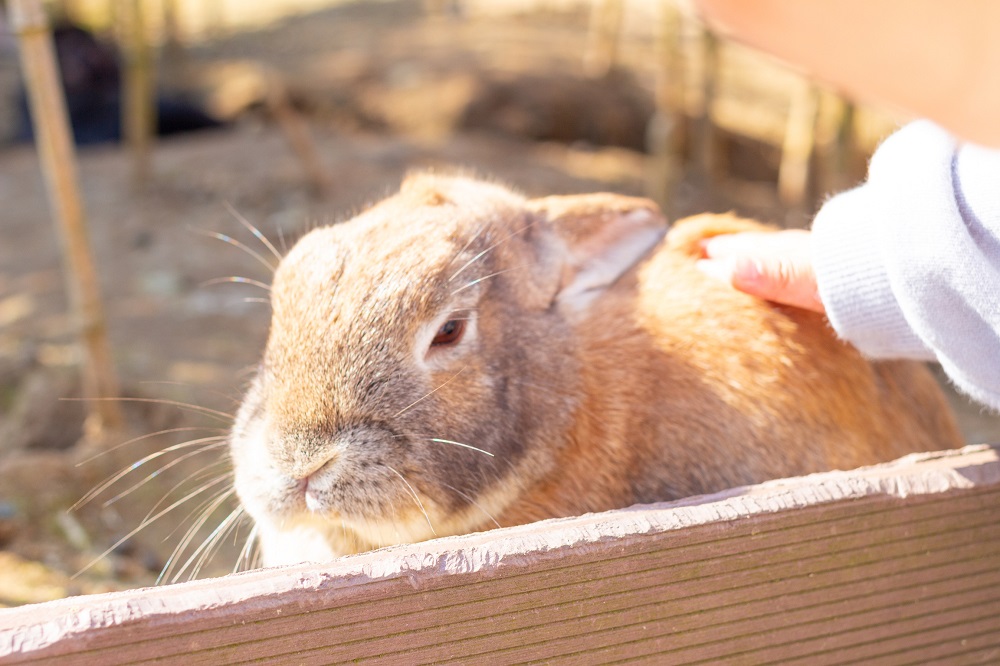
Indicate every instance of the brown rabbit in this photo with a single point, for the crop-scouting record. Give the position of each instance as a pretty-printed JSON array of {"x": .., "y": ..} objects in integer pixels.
[{"x": 458, "y": 357}]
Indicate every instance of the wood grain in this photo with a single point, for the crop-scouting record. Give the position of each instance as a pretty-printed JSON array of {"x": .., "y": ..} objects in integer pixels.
[{"x": 894, "y": 564}]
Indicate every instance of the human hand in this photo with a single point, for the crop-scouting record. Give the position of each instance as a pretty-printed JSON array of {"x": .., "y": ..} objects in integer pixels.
[{"x": 773, "y": 266}]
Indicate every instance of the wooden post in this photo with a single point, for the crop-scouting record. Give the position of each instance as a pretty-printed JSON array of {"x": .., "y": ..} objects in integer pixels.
[
  {"x": 58, "y": 160},
  {"x": 837, "y": 149},
  {"x": 296, "y": 131},
  {"x": 173, "y": 34},
  {"x": 138, "y": 90},
  {"x": 440, "y": 9},
  {"x": 603, "y": 34},
  {"x": 213, "y": 17},
  {"x": 797, "y": 148},
  {"x": 665, "y": 131},
  {"x": 705, "y": 141}
]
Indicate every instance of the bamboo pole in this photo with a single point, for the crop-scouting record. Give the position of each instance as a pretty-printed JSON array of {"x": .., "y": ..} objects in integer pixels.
[
  {"x": 58, "y": 161},
  {"x": 837, "y": 149},
  {"x": 138, "y": 92},
  {"x": 705, "y": 140},
  {"x": 665, "y": 131},
  {"x": 174, "y": 50},
  {"x": 296, "y": 130},
  {"x": 603, "y": 36},
  {"x": 798, "y": 146}
]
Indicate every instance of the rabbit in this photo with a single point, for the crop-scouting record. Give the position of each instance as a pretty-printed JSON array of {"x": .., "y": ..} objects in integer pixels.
[{"x": 459, "y": 357}]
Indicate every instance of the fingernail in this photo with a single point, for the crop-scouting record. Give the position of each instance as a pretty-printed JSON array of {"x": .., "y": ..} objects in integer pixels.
[
  {"x": 708, "y": 244},
  {"x": 716, "y": 269},
  {"x": 748, "y": 270}
]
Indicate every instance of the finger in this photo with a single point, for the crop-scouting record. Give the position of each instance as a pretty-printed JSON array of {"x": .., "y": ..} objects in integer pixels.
[
  {"x": 741, "y": 244},
  {"x": 790, "y": 242},
  {"x": 782, "y": 280},
  {"x": 717, "y": 269}
]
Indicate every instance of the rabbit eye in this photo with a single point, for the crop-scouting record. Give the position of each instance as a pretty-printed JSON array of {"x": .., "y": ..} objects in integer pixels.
[{"x": 449, "y": 333}]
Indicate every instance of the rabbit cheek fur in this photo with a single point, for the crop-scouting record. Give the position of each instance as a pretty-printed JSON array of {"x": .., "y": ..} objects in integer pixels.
[{"x": 586, "y": 379}]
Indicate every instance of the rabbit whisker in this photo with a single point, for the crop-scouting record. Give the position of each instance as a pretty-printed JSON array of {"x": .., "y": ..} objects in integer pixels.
[
  {"x": 148, "y": 521},
  {"x": 198, "y": 409},
  {"x": 206, "y": 512},
  {"x": 473, "y": 503},
  {"x": 207, "y": 473},
  {"x": 487, "y": 250},
  {"x": 166, "y": 382},
  {"x": 245, "y": 558},
  {"x": 476, "y": 258},
  {"x": 210, "y": 546},
  {"x": 237, "y": 280},
  {"x": 368, "y": 530},
  {"x": 394, "y": 520},
  {"x": 478, "y": 280},
  {"x": 125, "y": 471},
  {"x": 281, "y": 240},
  {"x": 234, "y": 519},
  {"x": 464, "y": 446},
  {"x": 176, "y": 461},
  {"x": 182, "y": 545},
  {"x": 139, "y": 439},
  {"x": 253, "y": 229},
  {"x": 413, "y": 493},
  {"x": 427, "y": 395},
  {"x": 235, "y": 243}
]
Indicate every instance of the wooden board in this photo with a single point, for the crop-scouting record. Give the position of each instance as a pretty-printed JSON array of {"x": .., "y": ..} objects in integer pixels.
[{"x": 894, "y": 564}]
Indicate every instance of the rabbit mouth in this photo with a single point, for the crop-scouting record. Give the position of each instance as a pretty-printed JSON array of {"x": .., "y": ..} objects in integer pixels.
[
  {"x": 363, "y": 492},
  {"x": 358, "y": 487},
  {"x": 382, "y": 507}
]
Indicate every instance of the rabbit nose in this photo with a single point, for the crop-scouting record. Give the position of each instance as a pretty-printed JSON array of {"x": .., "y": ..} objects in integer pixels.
[
  {"x": 312, "y": 497},
  {"x": 306, "y": 476},
  {"x": 301, "y": 454},
  {"x": 305, "y": 469}
]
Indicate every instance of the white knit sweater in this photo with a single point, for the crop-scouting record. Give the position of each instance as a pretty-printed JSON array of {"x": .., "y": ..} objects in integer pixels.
[{"x": 908, "y": 264}]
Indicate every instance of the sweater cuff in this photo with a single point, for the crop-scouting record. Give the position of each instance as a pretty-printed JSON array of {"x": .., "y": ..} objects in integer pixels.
[{"x": 853, "y": 284}]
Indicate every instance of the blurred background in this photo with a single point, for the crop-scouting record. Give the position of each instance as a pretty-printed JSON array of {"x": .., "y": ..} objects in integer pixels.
[{"x": 293, "y": 113}]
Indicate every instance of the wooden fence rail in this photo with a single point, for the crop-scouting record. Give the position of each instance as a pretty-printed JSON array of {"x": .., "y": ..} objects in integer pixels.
[{"x": 894, "y": 564}]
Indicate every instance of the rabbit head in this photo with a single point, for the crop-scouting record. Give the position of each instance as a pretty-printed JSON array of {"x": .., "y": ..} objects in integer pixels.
[{"x": 422, "y": 369}]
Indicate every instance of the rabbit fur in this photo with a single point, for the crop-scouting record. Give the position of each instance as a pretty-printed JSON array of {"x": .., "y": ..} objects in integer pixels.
[{"x": 595, "y": 368}]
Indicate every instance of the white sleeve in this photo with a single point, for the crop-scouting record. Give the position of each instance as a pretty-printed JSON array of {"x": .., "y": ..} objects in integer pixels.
[{"x": 908, "y": 264}]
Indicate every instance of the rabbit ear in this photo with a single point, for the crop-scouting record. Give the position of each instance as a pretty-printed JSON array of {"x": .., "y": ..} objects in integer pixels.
[{"x": 603, "y": 236}]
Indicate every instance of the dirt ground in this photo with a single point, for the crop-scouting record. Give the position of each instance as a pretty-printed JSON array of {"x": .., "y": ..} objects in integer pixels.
[{"x": 384, "y": 89}]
